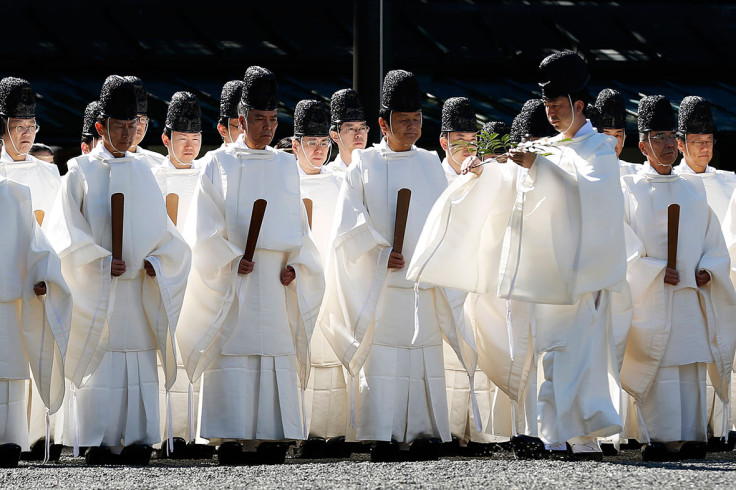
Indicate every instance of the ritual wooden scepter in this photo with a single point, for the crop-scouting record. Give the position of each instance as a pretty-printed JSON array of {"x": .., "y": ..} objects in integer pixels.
[
  {"x": 256, "y": 218},
  {"x": 402, "y": 213},
  {"x": 39, "y": 216},
  {"x": 172, "y": 206},
  {"x": 117, "y": 205},
  {"x": 308, "y": 207},
  {"x": 673, "y": 227}
]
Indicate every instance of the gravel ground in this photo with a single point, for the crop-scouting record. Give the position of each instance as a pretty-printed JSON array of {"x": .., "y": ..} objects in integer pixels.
[{"x": 500, "y": 470}]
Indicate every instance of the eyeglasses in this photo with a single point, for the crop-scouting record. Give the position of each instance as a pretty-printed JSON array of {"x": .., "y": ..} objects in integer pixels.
[
  {"x": 663, "y": 138},
  {"x": 702, "y": 144},
  {"x": 236, "y": 126},
  {"x": 27, "y": 129},
  {"x": 315, "y": 143},
  {"x": 143, "y": 120},
  {"x": 354, "y": 131}
]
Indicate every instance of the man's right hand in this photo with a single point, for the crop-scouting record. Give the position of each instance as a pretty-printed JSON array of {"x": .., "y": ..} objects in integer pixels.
[
  {"x": 117, "y": 268},
  {"x": 522, "y": 157},
  {"x": 245, "y": 266},
  {"x": 671, "y": 276},
  {"x": 396, "y": 260},
  {"x": 471, "y": 164}
]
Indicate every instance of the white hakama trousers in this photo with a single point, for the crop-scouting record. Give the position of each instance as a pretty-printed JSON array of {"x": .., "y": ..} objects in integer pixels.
[
  {"x": 326, "y": 402},
  {"x": 183, "y": 409},
  {"x": 14, "y": 412},
  {"x": 716, "y": 426},
  {"x": 675, "y": 409},
  {"x": 252, "y": 398},
  {"x": 401, "y": 388},
  {"x": 457, "y": 384}
]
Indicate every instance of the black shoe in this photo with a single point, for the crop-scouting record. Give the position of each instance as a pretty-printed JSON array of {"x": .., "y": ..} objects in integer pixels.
[
  {"x": 272, "y": 452},
  {"x": 179, "y": 452},
  {"x": 609, "y": 449},
  {"x": 425, "y": 449},
  {"x": 314, "y": 448},
  {"x": 528, "y": 447},
  {"x": 480, "y": 450},
  {"x": 450, "y": 449},
  {"x": 693, "y": 450},
  {"x": 98, "y": 456},
  {"x": 230, "y": 453},
  {"x": 9, "y": 455},
  {"x": 385, "y": 452},
  {"x": 136, "y": 455},
  {"x": 336, "y": 447},
  {"x": 656, "y": 451},
  {"x": 731, "y": 440},
  {"x": 199, "y": 451}
]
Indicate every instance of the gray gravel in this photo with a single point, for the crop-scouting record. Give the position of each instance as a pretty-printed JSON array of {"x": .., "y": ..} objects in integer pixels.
[{"x": 500, "y": 470}]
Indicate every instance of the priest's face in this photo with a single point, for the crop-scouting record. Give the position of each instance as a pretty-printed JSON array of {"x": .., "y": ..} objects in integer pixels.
[
  {"x": 352, "y": 135},
  {"x": 231, "y": 132},
  {"x": 141, "y": 128},
  {"x": 183, "y": 147},
  {"x": 19, "y": 135},
  {"x": 660, "y": 148},
  {"x": 620, "y": 135},
  {"x": 259, "y": 128},
  {"x": 117, "y": 134},
  {"x": 311, "y": 152},
  {"x": 697, "y": 150},
  {"x": 561, "y": 114},
  {"x": 404, "y": 130},
  {"x": 458, "y": 146}
]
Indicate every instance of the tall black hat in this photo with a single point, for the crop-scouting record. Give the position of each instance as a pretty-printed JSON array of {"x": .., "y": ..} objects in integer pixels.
[
  {"x": 592, "y": 113},
  {"x": 310, "y": 119},
  {"x": 562, "y": 74},
  {"x": 183, "y": 114},
  {"x": 232, "y": 91},
  {"x": 656, "y": 114},
  {"x": 141, "y": 96},
  {"x": 532, "y": 121},
  {"x": 401, "y": 92},
  {"x": 91, "y": 112},
  {"x": 694, "y": 116},
  {"x": 497, "y": 127},
  {"x": 118, "y": 98},
  {"x": 458, "y": 115},
  {"x": 260, "y": 90},
  {"x": 345, "y": 106},
  {"x": 17, "y": 98},
  {"x": 611, "y": 105}
]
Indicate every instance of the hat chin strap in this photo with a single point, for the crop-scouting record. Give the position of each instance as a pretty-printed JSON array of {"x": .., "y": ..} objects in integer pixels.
[
  {"x": 572, "y": 111},
  {"x": 329, "y": 154},
  {"x": 107, "y": 127},
  {"x": 658, "y": 162},
  {"x": 13, "y": 143}
]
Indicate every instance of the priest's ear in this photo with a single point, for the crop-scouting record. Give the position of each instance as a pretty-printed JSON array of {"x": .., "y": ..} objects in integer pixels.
[
  {"x": 165, "y": 140},
  {"x": 384, "y": 125},
  {"x": 444, "y": 141},
  {"x": 643, "y": 137},
  {"x": 100, "y": 128}
]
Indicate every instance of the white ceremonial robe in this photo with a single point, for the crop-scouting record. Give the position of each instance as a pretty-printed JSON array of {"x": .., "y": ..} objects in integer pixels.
[
  {"x": 337, "y": 167},
  {"x": 119, "y": 324},
  {"x": 34, "y": 330},
  {"x": 153, "y": 158},
  {"x": 675, "y": 326},
  {"x": 326, "y": 396},
  {"x": 627, "y": 168},
  {"x": 387, "y": 335},
  {"x": 249, "y": 334},
  {"x": 537, "y": 237},
  {"x": 184, "y": 395},
  {"x": 43, "y": 179}
]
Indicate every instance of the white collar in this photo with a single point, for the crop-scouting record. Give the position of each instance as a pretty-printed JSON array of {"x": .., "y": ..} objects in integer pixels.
[
  {"x": 684, "y": 168},
  {"x": 5, "y": 157},
  {"x": 448, "y": 168}
]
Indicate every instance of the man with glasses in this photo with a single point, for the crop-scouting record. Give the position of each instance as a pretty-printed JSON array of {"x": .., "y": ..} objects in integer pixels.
[
  {"x": 349, "y": 130},
  {"x": 126, "y": 307},
  {"x": 141, "y": 97},
  {"x": 684, "y": 319},
  {"x": 612, "y": 108}
]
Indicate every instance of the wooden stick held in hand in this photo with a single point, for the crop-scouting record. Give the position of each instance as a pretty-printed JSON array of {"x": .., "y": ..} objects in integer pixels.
[
  {"x": 308, "y": 207},
  {"x": 172, "y": 206},
  {"x": 402, "y": 213},
  {"x": 117, "y": 205},
  {"x": 673, "y": 226},
  {"x": 256, "y": 218}
]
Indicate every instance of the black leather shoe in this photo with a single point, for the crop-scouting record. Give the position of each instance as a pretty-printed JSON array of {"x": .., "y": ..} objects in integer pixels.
[
  {"x": 272, "y": 452},
  {"x": 693, "y": 450},
  {"x": 199, "y": 451},
  {"x": 230, "y": 453},
  {"x": 385, "y": 452},
  {"x": 136, "y": 455},
  {"x": 609, "y": 449},
  {"x": 451, "y": 448},
  {"x": 425, "y": 449},
  {"x": 9, "y": 455},
  {"x": 528, "y": 447},
  {"x": 98, "y": 456},
  {"x": 314, "y": 448},
  {"x": 336, "y": 447},
  {"x": 480, "y": 449},
  {"x": 179, "y": 452},
  {"x": 656, "y": 451}
]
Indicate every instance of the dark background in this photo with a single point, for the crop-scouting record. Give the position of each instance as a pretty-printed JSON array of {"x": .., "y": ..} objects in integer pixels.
[{"x": 485, "y": 50}]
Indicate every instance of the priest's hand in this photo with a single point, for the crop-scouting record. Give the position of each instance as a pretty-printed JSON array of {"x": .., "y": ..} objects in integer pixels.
[
  {"x": 117, "y": 267},
  {"x": 149, "y": 269},
  {"x": 396, "y": 260},
  {"x": 702, "y": 278},
  {"x": 522, "y": 157},
  {"x": 288, "y": 274},
  {"x": 671, "y": 276},
  {"x": 471, "y": 164},
  {"x": 245, "y": 266},
  {"x": 39, "y": 289}
]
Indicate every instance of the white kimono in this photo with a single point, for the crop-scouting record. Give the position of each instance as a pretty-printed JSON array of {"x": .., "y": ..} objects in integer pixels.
[
  {"x": 337, "y": 167},
  {"x": 184, "y": 395},
  {"x": 119, "y": 324},
  {"x": 248, "y": 333},
  {"x": 537, "y": 236},
  {"x": 386, "y": 333},
  {"x": 151, "y": 157},
  {"x": 327, "y": 395},
  {"x": 33, "y": 330},
  {"x": 675, "y": 325}
]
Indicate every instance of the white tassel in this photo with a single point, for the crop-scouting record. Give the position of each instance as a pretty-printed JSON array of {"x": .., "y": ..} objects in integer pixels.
[
  {"x": 352, "y": 401},
  {"x": 513, "y": 417},
  {"x": 726, "y": 410},
  {"x": 170, "y": 422},
  {"x": 510, "y": 328},
  {"x": 416, "y": 313},
  {"x": 474, "y": 404},
  {"x": 190, "y": 400},
  {"x": 47, "y": 448},
  {"x": 304, "y": 414},
  {"x": 75, "y": 416}
]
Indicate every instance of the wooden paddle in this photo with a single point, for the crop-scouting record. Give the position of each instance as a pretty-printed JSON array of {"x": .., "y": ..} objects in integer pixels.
[
  {"x": 673, "y": 226},
  {"x": 39, "y": 216},
  {"x": 117, "y": 205},
  {"x": 256, "y": 218},
  {"x": 308, "y": 207},
  {"x": 172, "y": 206},
  {"x": 402, "y": 213}
]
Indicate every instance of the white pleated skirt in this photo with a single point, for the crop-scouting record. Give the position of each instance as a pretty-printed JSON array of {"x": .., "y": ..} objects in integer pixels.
[
  {"x": 14, "y": 412},
  {"x": 326, "y": 401}
]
